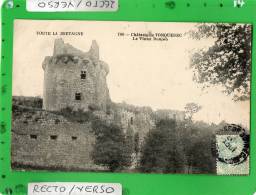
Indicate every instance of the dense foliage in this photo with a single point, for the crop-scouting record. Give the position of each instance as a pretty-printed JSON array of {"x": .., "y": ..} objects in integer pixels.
[
  {"x": 162, "y": 151},
  {"x": 227, "y": 62},
  {"x": 79, "y": 115},
  {"x": 183, "y": 147},
  {"x": 191, "y": 109},
  {"x": 110, "y": 149}
]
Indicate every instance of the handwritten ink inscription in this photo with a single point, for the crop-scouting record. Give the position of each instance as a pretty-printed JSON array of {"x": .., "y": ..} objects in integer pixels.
[
  {"x": 72, "y": 5},
  {"x": 74, "y": 189}
]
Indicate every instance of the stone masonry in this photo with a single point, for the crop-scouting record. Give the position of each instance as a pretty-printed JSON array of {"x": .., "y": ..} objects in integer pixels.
[{"x": 75, "y": 79}]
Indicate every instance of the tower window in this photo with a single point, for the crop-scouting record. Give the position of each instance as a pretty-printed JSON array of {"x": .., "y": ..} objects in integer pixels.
[
  {"x": 83, "y": 74},
  {"x": 74, "y": 138},
  {"x": 53, "y": 137},
  {"x": 33, "y": 136},
  {"x": 78, "y": 96}
]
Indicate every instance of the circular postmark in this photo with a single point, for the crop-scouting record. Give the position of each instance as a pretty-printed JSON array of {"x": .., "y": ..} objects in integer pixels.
[{"x": 232, "y": 144}]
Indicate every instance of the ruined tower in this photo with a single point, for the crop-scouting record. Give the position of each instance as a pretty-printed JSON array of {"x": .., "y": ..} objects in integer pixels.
[{"x": 75, "y": 79}]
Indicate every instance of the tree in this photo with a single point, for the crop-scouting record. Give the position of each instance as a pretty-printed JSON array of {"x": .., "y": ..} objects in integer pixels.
[
  {"x": 153, "y": 156},
  {"x": 227, "y": 62},
  {"x": 137, "y": 143},
  {"x": 129, "y": 143},
  {"x": 110, "y": 147},
  {"x": 161, "y": 151},
  {"x": 191, "y": 109},
  {"x": 198, "y": 146}
]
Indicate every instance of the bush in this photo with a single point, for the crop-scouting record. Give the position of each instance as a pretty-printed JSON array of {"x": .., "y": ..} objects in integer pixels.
[
  {"x": 199, "y": 159},
  {"x": 110, "y": 146},
  {"x": 57, "y": 121},
  {"x": 32, "y": 102},
  {"x": 79, "y": 116},
  {"x": 161, "y": 152}
]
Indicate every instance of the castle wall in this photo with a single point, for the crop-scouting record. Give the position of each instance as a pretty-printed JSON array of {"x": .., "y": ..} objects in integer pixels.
[
  {"x": 65, "y": 145},
  {"x": 142, "y": 119}
]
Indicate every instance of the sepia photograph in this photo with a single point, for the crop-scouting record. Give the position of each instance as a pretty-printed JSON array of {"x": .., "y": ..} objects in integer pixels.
[{"x": 131, "y": 97}]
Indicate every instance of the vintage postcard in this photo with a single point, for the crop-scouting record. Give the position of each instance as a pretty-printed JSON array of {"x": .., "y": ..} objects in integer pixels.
[{"x": 137, "y": 97}]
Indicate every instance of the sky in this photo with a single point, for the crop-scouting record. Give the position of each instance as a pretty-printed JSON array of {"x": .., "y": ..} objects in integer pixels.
[{"x": 142, "y": 73}]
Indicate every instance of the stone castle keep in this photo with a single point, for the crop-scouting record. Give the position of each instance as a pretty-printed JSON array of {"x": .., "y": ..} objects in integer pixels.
[
  {"x": 45, "y": 139},
  {"x": 75, "y": 79}
]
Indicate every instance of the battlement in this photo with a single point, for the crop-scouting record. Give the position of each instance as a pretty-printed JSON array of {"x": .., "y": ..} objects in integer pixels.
[{"x": 60, "y": 48}]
